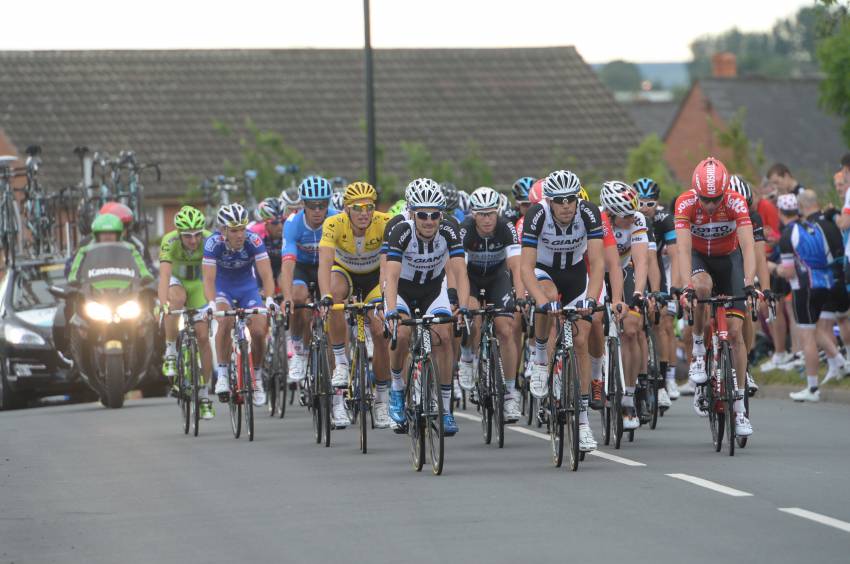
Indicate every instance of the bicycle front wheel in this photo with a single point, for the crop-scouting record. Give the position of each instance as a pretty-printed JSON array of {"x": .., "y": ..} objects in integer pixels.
[
  {"x": 196, "y": 387},
  {"x": 415, "y": 418},
  {"x": 652, "y": 380},
  {"x": 484, "y": 389},
  {"x": 326, "y": 394},
  {"x": 728, "y": 395},
  {"x": 235, "y": 401},
  {"x": 363, "y": 395},
  {"x": 282, "y": 372},
  {"x": 572, "y": 394},
  {"x": 556, "y": 421},
  {"x": 183, "y": 393},
  {"x": 498, "y": 393},
  {"x": 432, "y": 405},
  {"x": 247, "y": 392}
]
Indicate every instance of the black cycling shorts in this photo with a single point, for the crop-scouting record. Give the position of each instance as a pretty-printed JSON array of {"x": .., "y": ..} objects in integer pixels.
[
  {"x": 497, "y": 290},
  {"x": 727, "y": 273},
  {"x": 306, "y": 274},
  {"x": 808, "y": 304}
]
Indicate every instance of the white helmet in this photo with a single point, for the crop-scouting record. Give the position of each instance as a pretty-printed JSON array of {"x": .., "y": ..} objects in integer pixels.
[
  {"x": 484, "y": 199},
  {"x": 338, "y": 201},
  {"x": 232, "y": 215},
  {"x": 561, "y": 183},
  {"x": 618, "y": 198},
  {"x": 504, "y": 204},
  {"x": 290, "y": 197},
  {"x": 463, "y": 201},
  {"x": 424, "y": 193},
  {"x": 739, "y": 185}
]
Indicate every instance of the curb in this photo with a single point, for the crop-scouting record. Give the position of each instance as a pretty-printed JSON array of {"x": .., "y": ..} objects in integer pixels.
[{"x": 827, "y": 394}]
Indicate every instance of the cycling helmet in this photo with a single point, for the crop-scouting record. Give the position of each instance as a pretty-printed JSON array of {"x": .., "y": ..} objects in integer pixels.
[
  {"x": 119, "y": 210},
  {"x": 359, "y": 191},
  {"x": 619, "y": 198},
  {"x": 463, "y": 201},
  {"x": 189, "y": 219},
  {"x": 338, "y": 184},
  {"x": 425, "y": 193},
  {"x": 398, "y": 207},
  {"x": 561, "y": 183},
  {"x": 710, "y": 178},
  {"x": 647, "y": 189},
  {"x": 535, "y": 195},
  {"x": 504, "y": 204},
  {"x": 484, "y": 199},
  {"x": 269, "y": 209},
  {"x": 739, "y": 185},
  {"x": 107, "y": 223},
  {"x": 290, "y": 197},
  {"x": 338, "y": 200},
  {"x": 232, "y": 215},
  {"x": 451, "y": 194},
  {"x": 315, "y": 188},
  {"x": 521, "y": 187},
  {"x": 583, "y": 195}
]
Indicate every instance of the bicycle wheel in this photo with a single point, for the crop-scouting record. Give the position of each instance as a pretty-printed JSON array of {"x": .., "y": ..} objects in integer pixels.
[
  {"x": 652, "y": 380},
  {"x": 556, "y": 421},
  {"x": 270, "y": 375},
  {"x": 282, "y": 373},
  {"x": 497, "y": 398},
  {"x": 742, "y": 441},
  {"x": 415, "y": 418},
  {"x": 326, "y": 394},
  {"x": 235, "y": 400},
  {"x": 195, "y": 371},
  {"x": 183, "y": 394},
  {"x": 248, "y": 390},
  {"x": 715, "y": 417},
  {"x": 312, "y": 393},
  {"x": 485, "y": 395},
  {"x": 572, "y": 394},
  {"x": 363, "y": 398},
  {"x": 728, "y": 395},
  {"x": 432, "y": 404}
]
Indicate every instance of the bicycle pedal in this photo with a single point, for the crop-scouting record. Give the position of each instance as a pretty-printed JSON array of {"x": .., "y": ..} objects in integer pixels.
[
  {"x": 400, "y": 429},
  {"x": 224, "y": 397}
]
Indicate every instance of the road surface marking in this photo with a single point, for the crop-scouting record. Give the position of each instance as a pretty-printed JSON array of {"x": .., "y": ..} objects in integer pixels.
[
  {"x": 710, "y": 485},
  {"x": 817, "y": 518},
  {"x": 545, "y": 437}
]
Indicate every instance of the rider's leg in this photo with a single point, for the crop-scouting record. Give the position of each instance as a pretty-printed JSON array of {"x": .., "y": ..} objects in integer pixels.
[
  {"x": 223, "y": 347},
  {"x": 466, "y": 367},
  {"x": 505, "y": 334},
  {"x": 443, "y": 356},
  {"x": 299, "y": 328},
  {"x": 580, "y": 347},
  {"x": 543, "y": 324},
  {"x": 337, "y": 330},
  {"x": 202, "y": 334},
  {"x": 702, "y": 286},
  {"x": 176, "y": 300},
  {"x": 259, "y": 327},
  {"x": 631, "y": 348}
]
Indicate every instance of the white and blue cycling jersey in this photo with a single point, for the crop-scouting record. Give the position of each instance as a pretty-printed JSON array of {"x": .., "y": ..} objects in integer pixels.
[
  {"x": 300, "y": 242},
  {"x": 235, "y": 280}
]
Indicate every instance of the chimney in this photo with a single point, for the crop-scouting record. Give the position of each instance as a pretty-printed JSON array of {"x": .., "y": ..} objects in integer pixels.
[{"x": 724, "y": 65}]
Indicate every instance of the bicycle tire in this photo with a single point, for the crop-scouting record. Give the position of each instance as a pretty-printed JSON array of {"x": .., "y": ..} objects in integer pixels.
[
  {"x": 433, "y": 397},
  {"x": 498, "y": 395},
  {"x": 196, "y": 387},
  {"x": 312, "y": 392},
  {"x": 652, "y": 380},
  {"x": 415, "y": 419},
  {"x": 715, "y": 423},
  {"x": 728, "y": 396},
  {"x": 363, "y": 405},
  {"x": 327, "y": 392},
  {"x": 572, "y": 394},
  {"x": 616, "y": 419},
  {"x": 556, "y": 422},
  {"x": 284, "y": 390},
  {"x": 234, "y": 402},
  {"x": 270, "y": 374},
  {"x": 183, "y": 393},
  {"x": 484, "y": 394}
]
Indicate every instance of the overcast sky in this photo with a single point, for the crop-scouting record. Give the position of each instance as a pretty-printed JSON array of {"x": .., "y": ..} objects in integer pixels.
[{"x": 642, "y": 31}]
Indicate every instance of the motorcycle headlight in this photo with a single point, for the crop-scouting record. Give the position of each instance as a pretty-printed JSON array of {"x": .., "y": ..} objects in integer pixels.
[
  {"x": 129, "y": 310},
  {"x": 19, "y": 336},
  {"x": 97, "y": 311}
]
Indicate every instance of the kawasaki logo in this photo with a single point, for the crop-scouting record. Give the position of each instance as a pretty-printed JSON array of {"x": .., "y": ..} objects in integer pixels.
[{"x": 95, "y": 272}]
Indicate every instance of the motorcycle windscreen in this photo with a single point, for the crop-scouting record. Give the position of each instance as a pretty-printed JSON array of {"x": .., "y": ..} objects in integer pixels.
[{"x": 109, "y": 266}]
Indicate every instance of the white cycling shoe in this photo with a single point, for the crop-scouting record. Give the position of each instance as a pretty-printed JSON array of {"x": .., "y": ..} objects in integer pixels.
[
  {"x": 259, "y": 393},
  {"x": 382, "y": 415},
  {"x": 340, "y": 415},
  {"x": 586, "y": 442},
  {"x": 806, "y": 394},
  {"x": 465, "y": 374},
  {"x": 673, "y": 390},
  {"x": 512, "y": 412},
  {"x": 340, "y": 377},
  {"x": 743, "y": 427},
  {"x": 538, "y": 383},
  {"x": 222, "y": 385},
  {"x": 699, "y": 393},
  {"x": 663, "y": 398},
  {"x": 696, "y": 372},
  {"x": 297, "y": 368}
]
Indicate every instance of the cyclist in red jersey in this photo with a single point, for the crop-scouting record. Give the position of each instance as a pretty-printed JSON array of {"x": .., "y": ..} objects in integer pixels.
[{"x": 714, "y": 239}]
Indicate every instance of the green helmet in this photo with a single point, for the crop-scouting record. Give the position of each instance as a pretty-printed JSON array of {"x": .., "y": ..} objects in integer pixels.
[
  {"x": 189, "y": 219},
  {"x": 107, "y": 223},
  {"x": 398, "y": 207}
]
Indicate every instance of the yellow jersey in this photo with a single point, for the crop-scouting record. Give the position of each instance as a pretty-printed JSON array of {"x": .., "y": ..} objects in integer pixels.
[{"x": 358, "y": 255}]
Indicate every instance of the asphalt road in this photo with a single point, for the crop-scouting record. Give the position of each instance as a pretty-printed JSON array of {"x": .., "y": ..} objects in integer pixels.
[{"x": 81, "y": 483}]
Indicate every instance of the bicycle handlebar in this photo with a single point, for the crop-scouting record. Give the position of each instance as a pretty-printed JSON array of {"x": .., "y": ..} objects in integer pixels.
[{"x": 239, "y": 312}]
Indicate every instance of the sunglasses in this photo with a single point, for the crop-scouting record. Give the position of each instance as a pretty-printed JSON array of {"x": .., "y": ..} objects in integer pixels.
[
  {"x": 429, "y": 216},
  {"x": 488, "y": 213},
  {"x": 360, "y": 208},
  {"x": 715, "y": 200},
  {"x": 650, "y": 204},
  {"x": 316, "y": 205},
  {"x": 561, "y": 200},
  {"x": 191, "y": 234}
]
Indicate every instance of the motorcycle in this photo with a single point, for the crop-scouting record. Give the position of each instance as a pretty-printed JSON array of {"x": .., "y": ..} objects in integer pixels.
[{"x": 111, "y": 326}]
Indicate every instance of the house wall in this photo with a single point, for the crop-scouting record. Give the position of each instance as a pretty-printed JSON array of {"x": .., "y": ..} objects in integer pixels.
[{"x": 691, "y": 137}]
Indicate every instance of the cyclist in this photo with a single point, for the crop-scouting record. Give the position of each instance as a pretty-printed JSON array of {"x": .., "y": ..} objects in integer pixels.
[
  {"x": 463, "y": 201},
  {"x": 620, "y": 204},
  {"x": 557, "y": 233},
  {"x": 233, "y": 259},
  {"x": 349, "y": 263},
  {"x": 269, "y": 227},
  {"x": 520, "y": 191},
  {"x": 714, "y": 239},
  {"x": 302, "y": 233},
  {"x": 452, "y": 200},
  {"x": 662, "y": 232},
  {"x": 290, "y": 199},
  {"x": 180, "y": 255},
  {"x": 491, "y": 244},
  {"x": 420, "y": 251}
]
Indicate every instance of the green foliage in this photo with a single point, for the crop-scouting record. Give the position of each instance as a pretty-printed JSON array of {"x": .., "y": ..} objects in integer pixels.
[
  {"x": 647, "y": 161},
  {"x": 471, "y": 172},
  {"x": 621, "y": 76},
  {"x": 834, "y": 56},
  {"x": 591, "y": 179},
  {"x": 747, "y": 159},
  {"x": 474, "y": 170}
]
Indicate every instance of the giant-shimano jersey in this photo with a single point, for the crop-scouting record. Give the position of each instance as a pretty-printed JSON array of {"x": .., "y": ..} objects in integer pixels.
[
  {"x": 560, "y": 246},
  {"x": 486, "y": 255}
]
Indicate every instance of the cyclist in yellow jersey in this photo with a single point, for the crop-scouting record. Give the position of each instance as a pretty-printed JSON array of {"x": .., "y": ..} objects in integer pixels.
[{"x": 349, "y": 263}]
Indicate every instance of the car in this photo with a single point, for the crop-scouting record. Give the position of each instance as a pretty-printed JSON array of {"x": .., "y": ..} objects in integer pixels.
[{"x": 31, "y": 367}]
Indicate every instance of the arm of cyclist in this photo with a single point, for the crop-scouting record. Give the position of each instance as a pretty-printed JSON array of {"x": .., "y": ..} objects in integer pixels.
[
  {"x": 786, "y": 267},
  {"x": 264, "y": 269},
  {"x": 164, "y": 282},
  {"x": 761, "y": 265},
  {"x": 393, "y": 271},
  {"x": 654, "y": 271},
  {"x": 457, "y": 266},
  {"x": 745, "y": 238},
  {"x": 641, "y": 262},
  {"x": 683, "y": 250},
  {"x": 595, "y": 254},
  {"x": 615, "y": 279},
  {"x": 326, "y": 261},
  {"x": 528, "y": 259}
]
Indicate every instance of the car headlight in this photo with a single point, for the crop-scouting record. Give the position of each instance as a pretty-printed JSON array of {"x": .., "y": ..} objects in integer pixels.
[
  {"x": 98, "y": 312},
  {"x": 19, "y": 336},
  {"x": 129, "y": 310}
]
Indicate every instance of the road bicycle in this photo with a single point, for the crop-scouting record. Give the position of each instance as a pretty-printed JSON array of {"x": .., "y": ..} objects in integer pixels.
[
  {"x": 276, "y": 363},
  {"x": 318, "y": 392},
  {"x": 240, "y": 371},
  {"x": 38, "y": 207},
  {"x": 9, "y": 214},
  {"x": 423, "y": 407},
  {"x": 646, "y": 393},
  {"x": 131, "y": 191},
  {"x": 189, "y": 377},
  {"x": 614, "y": 382},
  {"x": 491, "y": 376}
]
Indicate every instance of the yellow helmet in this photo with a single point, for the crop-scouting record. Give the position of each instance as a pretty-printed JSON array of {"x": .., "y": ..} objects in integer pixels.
[
  {"x": 584, "y": 195},
  {"x": 359, "y": 191}
]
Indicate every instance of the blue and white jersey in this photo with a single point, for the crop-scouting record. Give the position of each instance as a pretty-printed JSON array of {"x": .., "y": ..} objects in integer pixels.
[
  {"x": 300, "y": 242},
  {"x": 234, "y": 267}
]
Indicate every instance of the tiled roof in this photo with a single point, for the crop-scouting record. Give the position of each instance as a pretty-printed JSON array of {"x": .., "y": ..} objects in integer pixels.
[
  {"x": 784, "y": 115},
  {"x": 652, "y": 117},
  {"x": 521, "y": 106}
]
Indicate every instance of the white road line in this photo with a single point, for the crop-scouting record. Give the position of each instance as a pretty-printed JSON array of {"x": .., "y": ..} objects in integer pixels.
[
  {"x": 545, "y": 437},
  {"x": 817, "y": 518},
  {"x": 710, "y": 485}
]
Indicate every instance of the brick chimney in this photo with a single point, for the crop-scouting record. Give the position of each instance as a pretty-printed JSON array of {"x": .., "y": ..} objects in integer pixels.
[{"x": 724, "y": 65}]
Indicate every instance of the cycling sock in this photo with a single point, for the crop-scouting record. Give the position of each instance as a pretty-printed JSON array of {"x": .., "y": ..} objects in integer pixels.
[
  {"x": 540, "y": 351},
  {"x": 740, "y": 407},
  {"x": 446, "y": 390},
  {"x": 221, "y": 371},
  {"x": 203, "y": 392},
  {"x": 813, "y": 383},
  {"x": 595, "y": 367},
  {"x": 297, "y": 344},
  {"x": 339, "y": 355},
  {"x": 170, "y": 348},
  {"x": 698, "y": 348},
  {"x": 466, "y": 354},
  {"x": 662, "y": 367},
  {"x": 381, "y": 392},
  {"x": 398, "y": 382},
  {"x": 629, "y": 400},
  {"x": 582, "y": 414},
  {"x": 258, "y": 375},
  {"x": 671, "y": 373},
  {"x": 510, "y": 386}
]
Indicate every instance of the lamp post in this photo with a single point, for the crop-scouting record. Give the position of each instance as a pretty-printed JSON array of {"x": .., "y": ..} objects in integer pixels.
[{"x": 370, "y": 99}]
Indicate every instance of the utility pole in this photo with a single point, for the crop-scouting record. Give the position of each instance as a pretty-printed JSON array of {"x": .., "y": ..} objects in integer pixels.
[{"x": 370, "y": 99}]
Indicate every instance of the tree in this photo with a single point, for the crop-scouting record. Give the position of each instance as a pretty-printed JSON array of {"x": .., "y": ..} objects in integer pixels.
[
  {"x": 621, "y": 76},
  {"x": 647, "y": 161},
  {"x": 474, "y": 170},
  {"x": 834, "y": 56},
  {"x": 746, "y": 159}
]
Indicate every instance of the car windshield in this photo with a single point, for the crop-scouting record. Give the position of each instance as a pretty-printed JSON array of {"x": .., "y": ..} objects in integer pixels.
[{"x": 32, "y": 284}]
